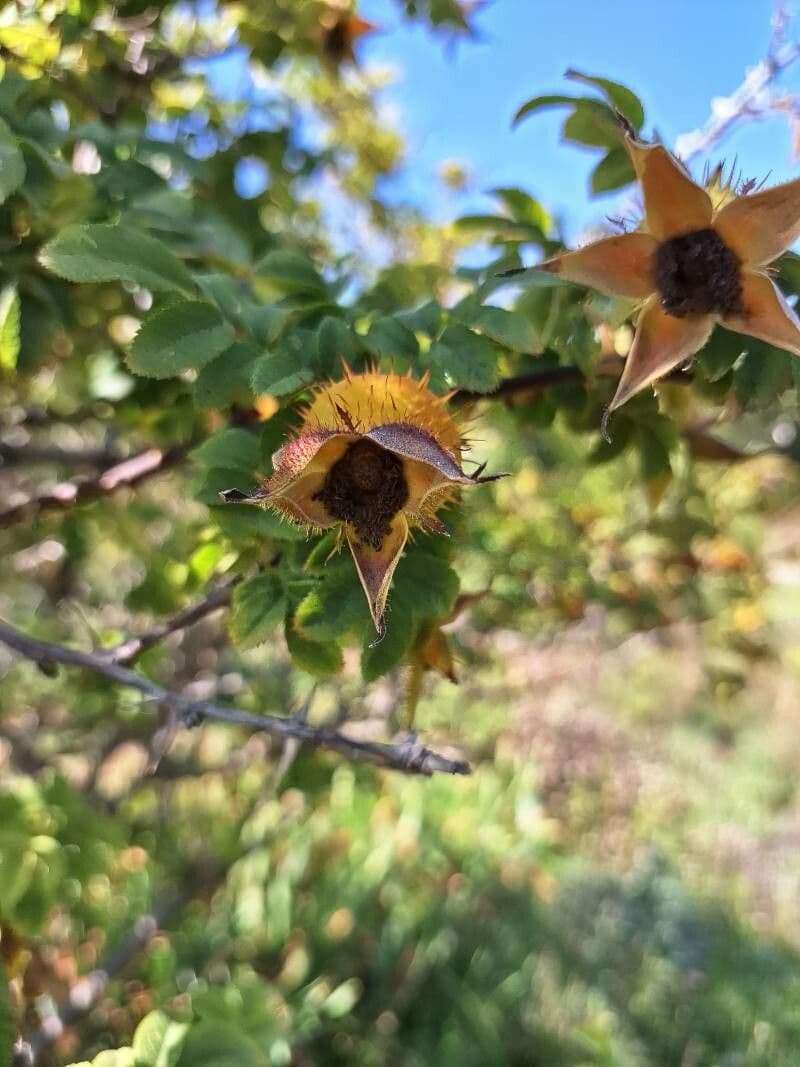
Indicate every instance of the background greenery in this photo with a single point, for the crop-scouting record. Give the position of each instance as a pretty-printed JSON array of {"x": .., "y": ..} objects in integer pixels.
[{"x": 616, "y": 882}]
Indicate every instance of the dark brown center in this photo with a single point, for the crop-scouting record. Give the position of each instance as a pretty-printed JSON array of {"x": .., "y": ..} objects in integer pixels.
[
  {"x": 366, "y": 488},
  {"x": 697, "y": 274}
]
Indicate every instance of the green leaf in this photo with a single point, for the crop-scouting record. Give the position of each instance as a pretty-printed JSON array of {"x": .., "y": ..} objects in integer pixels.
[
  {"x": 232, "y": 448},
  {"x": 524, "y": 208},
  {"x": 335, "y": 607},
  {"x": 6, "y": 1019},
  {"x": 509, "y": 328},
  {"x": 619, "y": 96},
  {"x": 426, "y": 584},
  {"x": 12, "y": 165},
  {"x": 220, "y": 1044},
  {"x": 226, "y": 379},
  {"x": 319, "y": 658},
  {"x": 389, "y": 339},
  {"x": 9, "y": 328},
  {"x": 102, "y": 253},
  {"x": 401, "y": 629},
  {"x": 242, "y": 521},
  {"x": 425, "y": 319},
  {"x": 343, "y": 999},
  {"x": 158, "y": 1040},
  {"x": 593, "y": 124},
  {"x": 612, "y": 172},
  {"x": 720, "y": 352},
  {"x": 281, "y": 372},
  {"x": 465, "y": 359},
  {"x": 654, "y": 453},
  {"x": 259, "y": 605},
  {"x": 336, "y": 344},
  {"x": 533, "y": 278},
  {"x": 291, "y": 273},
  {"x": 539, "y": 103},
  {"x": 178, "y": 337}
]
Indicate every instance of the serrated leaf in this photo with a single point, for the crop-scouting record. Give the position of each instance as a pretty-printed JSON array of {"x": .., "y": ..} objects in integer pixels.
[
  {"x": 319, "y": 658},
  {"x": 226, "y": 378},
  {"x": 279, "y": 373},
  {"x": 425, "y": 319},
  {"x": 259, "y": 605},
  {"x": 387, "y": 338},
  {"x": 291, "y": 273},
  {"x": 612, "y": 172},
  {"x": 336, "y": 344},
  {"x": 12, "y": 165},
  {"x": 426, "y": 584},
  {"x": 467, "y": 360},
  {"x": 231, "y": 448},
  {"x": 654, "y": 454},
  {"x": 509, "y": 328},
  {"x": 619, "y": 96},
  {"x": 158, "y": 1040},
  {"x": 9, "y": 328},
  {"x": 401, "y": 629},
  {"x": 242, "y": 521},
  {"x": 216, "y": 480},
  {"x": 181, "y": 336},
  {"x": 720, "y": 352},
  {"x": 103, "y": 253},
  {"x": 335, "y": 607}
]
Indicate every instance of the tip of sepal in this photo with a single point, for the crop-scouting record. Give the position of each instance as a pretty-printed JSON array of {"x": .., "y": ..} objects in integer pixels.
[
  {"x": 380, "y": 631},
  {"x": 236, "y": 496},
  {"x": 604, "y": 430},
  {"x": 233, "y": 496}
]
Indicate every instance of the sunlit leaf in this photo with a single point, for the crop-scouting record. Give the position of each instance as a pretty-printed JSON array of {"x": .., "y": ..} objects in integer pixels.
[
  {"x": 178, "y": 337},
  {"x": 9, "y": 328},
  {"x": 101, "y": 253}
]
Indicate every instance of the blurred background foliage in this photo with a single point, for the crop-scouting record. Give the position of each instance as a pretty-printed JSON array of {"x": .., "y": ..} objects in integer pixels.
[{"x": 183, "y": 255}]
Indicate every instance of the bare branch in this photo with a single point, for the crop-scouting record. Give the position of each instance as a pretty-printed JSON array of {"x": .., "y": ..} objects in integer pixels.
[
  {"x": 407, "y": 756},
  {"x": 127, "y": 473},
  {"x": 127, "y": 652},
  {"x": 14, "y": 455},
  {"x": 753, "y": 99}
]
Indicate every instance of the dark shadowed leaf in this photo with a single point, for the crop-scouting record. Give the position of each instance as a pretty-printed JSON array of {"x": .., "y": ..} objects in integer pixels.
[
  {"x": 259, "y": 605},
  {"x": 12, "y": 165},
  {"x": 319, "y": 658},
  {"x": 467, "y": 360}
]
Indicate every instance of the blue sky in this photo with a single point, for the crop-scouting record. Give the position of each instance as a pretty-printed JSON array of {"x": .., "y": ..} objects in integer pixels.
[{"x": 458, "y": 103}]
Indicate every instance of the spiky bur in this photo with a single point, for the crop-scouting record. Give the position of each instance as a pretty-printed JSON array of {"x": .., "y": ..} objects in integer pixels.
[{"x": 375, "y": 455}]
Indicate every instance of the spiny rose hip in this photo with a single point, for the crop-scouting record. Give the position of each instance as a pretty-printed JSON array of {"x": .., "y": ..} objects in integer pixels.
[
  {"x": 695, "y": 261},
  {"x": 375, "y": 454}
]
